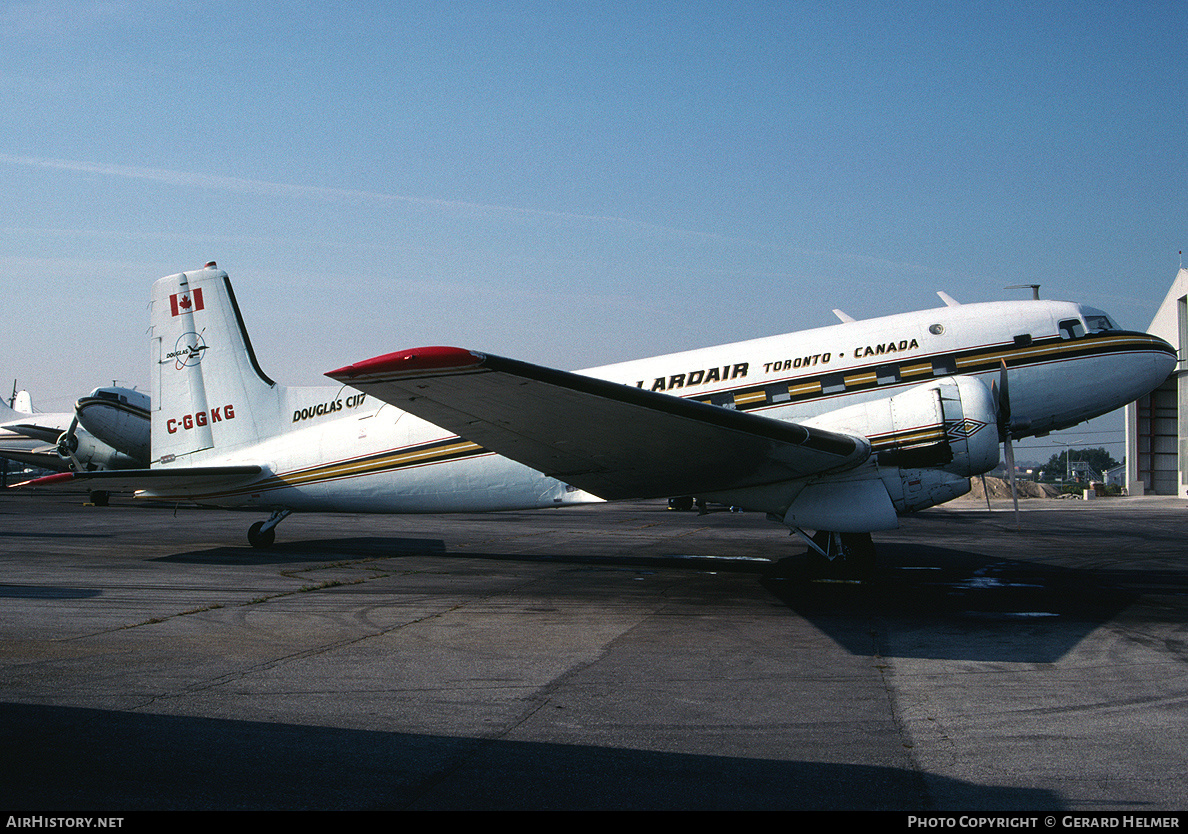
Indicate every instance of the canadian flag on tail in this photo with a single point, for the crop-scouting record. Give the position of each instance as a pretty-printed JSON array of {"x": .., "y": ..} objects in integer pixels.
[{"x": 185, "y": 302}]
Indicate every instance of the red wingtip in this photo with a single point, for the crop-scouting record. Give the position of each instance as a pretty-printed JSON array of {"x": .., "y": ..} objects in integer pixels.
[
  {"x": 410, "y": 362},
  {"x": 48, "y": 480}
]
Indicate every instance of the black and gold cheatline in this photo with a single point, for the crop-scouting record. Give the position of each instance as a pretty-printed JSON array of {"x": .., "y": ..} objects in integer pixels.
[
  {"x": 748, "y": 398},
  {"x": 424, "y": 454},
  {"x": 922, "y": 368}
]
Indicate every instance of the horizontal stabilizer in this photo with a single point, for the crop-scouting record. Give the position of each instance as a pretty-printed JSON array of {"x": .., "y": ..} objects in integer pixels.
[{"x": 615, "y": 441}]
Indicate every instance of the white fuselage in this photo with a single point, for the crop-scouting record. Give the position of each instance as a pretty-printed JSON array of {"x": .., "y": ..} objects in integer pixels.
[
  {"x": 1057, "y": 379},
  {"x": 341, "y": 450}
]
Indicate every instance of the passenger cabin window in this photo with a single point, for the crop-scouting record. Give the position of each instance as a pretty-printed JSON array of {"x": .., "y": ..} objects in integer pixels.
[
  {"x": 1023, "y": 339},
  {"x": 944, "y": 366},
  {"x": 833, "y": 384},
  {"x": 887, "y": 374},
  {"x": 1071, "y": 329}
]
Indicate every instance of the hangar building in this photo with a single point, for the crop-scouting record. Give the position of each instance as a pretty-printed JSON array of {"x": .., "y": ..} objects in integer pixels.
[{"x": 1157, "y": 425}]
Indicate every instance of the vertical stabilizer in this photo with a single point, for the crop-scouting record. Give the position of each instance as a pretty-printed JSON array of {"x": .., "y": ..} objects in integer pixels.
[{"x": 209, "y": 395}]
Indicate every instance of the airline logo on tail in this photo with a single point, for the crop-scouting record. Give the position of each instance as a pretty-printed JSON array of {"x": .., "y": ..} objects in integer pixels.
[
  {"x": 187, "y": 351},
  {"x": 182, "y": 303}
]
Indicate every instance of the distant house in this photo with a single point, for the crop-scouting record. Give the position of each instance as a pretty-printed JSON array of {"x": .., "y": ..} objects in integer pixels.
[{"x": 1116, "y": 476}]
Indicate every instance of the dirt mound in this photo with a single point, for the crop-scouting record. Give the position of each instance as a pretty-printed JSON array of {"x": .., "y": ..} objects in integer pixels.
[{"x": 998, "y": 488}]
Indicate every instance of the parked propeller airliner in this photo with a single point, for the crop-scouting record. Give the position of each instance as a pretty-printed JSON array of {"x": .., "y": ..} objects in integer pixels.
[
  {"x": 108, "y": 429},
  {"x": 835, "y": 430}
]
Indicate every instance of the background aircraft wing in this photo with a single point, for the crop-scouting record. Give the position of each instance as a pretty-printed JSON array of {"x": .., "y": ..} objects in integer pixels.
[
  {"x": 45, "y": 433},
  {"x": 43, "y": 457},
  {"x": 613, "y": 440},
  {"x": 170, "y": 482},
  {"x": 32, "y": 439}
]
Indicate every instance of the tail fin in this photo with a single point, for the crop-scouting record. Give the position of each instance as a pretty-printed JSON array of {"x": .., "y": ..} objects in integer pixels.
[
  {"x": 23, "y": 402},
  {"x": 208, "y": 390}
]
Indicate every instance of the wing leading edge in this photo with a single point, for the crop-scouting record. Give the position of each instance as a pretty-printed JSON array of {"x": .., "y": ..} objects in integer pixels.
[
  {"x": 175, "y": 482},
  {"x": 615, "y": 441}
]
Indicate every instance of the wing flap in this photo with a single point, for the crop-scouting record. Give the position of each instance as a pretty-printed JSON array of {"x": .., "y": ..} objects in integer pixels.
[{"x": 613, "y": 440}]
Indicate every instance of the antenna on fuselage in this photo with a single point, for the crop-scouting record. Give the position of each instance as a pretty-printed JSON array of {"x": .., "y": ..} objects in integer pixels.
[{"x": 1034, "y": 289}]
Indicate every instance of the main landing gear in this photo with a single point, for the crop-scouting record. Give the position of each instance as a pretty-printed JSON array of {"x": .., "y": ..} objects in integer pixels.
[
  {"x": 262, "y": 534},
  {"x": 840, "y": 555}
]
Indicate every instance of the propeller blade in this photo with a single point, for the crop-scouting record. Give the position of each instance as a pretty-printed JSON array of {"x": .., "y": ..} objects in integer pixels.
[
  {"x": 68, "y": 445},
  {"x": 1004, "y": 433},
  {"x": 1003, "y": 401},
  {"x": 1010, "y": 462}
]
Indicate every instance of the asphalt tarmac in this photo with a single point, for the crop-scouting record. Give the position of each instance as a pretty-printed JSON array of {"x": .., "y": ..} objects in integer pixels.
[{"x": 603, "y": 657}]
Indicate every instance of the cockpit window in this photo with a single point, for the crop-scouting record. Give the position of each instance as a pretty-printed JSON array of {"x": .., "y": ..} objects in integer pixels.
[
  {"x": 1095, "y": 323},
  {"x": 1071, "y": 329}
]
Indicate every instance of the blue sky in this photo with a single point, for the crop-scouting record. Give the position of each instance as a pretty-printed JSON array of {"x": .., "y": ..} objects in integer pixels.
[{"x": 573, "y": 183}]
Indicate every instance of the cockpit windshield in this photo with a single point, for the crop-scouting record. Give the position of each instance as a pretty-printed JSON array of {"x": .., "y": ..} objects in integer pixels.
[{"x": 1098, "y": 321}]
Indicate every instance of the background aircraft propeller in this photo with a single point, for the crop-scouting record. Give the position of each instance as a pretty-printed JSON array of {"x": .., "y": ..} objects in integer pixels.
[{"x": 68, "y": 445}]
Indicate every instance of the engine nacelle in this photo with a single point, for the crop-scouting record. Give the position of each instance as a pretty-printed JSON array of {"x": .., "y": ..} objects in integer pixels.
[
  {"x": 81, "y": 448},
  {"x": 927, "y": 441}
]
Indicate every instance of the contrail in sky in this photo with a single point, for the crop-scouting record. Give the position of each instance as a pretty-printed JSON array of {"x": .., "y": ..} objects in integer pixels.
[{"x": 244, "y": 185}]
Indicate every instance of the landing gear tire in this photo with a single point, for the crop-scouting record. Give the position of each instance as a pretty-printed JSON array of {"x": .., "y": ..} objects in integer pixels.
[
  {"x": 850, "y": 555},
  {"x": 99, "y": 497},
  {"x": 263, "y": 533},
  {"x": 260, "y": 538}
]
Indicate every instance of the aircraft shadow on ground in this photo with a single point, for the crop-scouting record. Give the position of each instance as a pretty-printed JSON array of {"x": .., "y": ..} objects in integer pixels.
[
  {"x": 46, "y": 534},
  {"x": 70, "y": 760},
  {"x": 360, "y": 547},
  {"x": 47, "y": 592},
  {"x": 939, "y": 603},
  {"x": 922, "y": 601}
]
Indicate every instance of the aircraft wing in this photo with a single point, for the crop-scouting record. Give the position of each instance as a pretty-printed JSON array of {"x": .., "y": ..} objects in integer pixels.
[
  {"x": 613, "y": 440},
  {"x": 32, "y": 439},
  {"x": 172, "y": 482},
  {"x": 43, "y": 457},
  {"x": 35, "y": 431}
]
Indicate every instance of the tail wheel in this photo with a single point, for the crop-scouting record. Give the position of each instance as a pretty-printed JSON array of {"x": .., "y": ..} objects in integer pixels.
[{"x": 260, "y": 538}]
